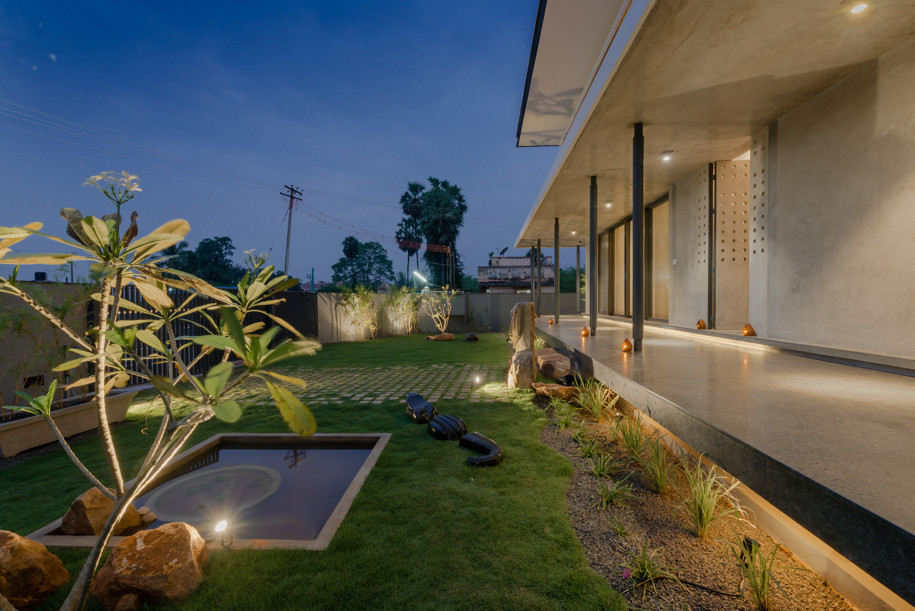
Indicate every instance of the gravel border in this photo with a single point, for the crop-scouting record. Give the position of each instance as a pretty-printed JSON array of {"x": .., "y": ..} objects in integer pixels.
[{"x": 656, "y": 518}]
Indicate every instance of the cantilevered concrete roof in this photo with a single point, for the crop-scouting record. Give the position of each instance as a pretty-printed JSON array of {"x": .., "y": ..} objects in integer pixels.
[{"x": 702, "y": 75}]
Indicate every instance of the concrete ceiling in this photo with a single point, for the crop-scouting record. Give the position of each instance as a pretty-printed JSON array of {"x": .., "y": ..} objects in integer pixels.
[
  {"x": 702, "y": 76},
  {"x": 567, "y": 45}
]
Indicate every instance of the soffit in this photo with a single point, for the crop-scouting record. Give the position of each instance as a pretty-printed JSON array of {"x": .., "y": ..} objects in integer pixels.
[
  {"x": 571, "y": 37},
  {"x": 702, "y": 76}
]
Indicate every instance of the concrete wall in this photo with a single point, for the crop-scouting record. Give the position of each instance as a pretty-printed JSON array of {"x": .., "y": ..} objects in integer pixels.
[
  {"x": 689, "y": 245},
  {"x": 30, "y": 346},
  {"x": 841, "y": 270},
  {"x": 470, "y": 312}
]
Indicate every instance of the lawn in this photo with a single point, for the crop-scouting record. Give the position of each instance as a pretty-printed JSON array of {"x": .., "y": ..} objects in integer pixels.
[{"x": 427, "y": 531}]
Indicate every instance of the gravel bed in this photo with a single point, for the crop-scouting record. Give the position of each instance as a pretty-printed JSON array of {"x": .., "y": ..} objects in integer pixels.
[{"x": 656, "y": 519}]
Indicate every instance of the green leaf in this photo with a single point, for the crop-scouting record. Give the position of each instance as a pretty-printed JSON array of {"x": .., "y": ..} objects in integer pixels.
[
  {"x": 41, "y": 259},
  {"x": 290, "y": 349},
  {"x": 165, "y": 385},
  {"x": 217, "y": 378},
  {"x": 149, "y": 338},
  {"x": 153, "y": 294},
  {"x": 284, "y": 378},
  {"x": 297, "y": 417},
  {"x": 96, "y": 230},
  {"x": 227, "y": 411},
  {"x": 234, "y": 327},
  {"x": 217, "y": 341},
  {"x": 122, "y": 336}
]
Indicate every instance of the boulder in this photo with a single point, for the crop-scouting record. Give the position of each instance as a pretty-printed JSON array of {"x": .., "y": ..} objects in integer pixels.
[
  {"x": 522, "y": 328},
  {"x": 566, "y": 393},
  {"x": 89, "y": 512},
  {"x": 161, "y": 565},
  {"x": 555, "y": 365},
  {"x": 441, "y": 337},
  {"x": 28, "y": 571},
  {"x": 521, "y": 370}
]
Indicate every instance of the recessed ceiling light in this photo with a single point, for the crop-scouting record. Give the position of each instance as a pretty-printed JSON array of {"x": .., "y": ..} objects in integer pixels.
[
  {"x": 608, "y": 205},
  {"x": 573, "y": 233},
  {"x": 666, "y": 155},
  {"x": 858, "y": 8}
]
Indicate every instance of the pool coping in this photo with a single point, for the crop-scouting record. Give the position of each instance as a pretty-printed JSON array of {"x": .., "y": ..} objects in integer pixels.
[{"x": 321, "y": 542}]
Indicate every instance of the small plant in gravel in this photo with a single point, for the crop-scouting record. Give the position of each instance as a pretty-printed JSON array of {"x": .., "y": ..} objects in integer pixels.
[
  {"x": 565, "y": 413},
  {"x": 590, "y": 449},
  {"x": 755, "y": 568},
  {"x": 633, "y": 435},
  {"x": 619, "y": 527},
  {"x": 582, "y": 435},
  {"x": 644, "y": 568},
  {"x": 594, "y": 398},
  {"x": 604, "y": 465},
  {"x": 658, "y": 464},
  {"x": 614, "y": 493},
  {"x": 707, "y": 498}
]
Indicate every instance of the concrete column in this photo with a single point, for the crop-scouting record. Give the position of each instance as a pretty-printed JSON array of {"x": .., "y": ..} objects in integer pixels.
[
  {"x": 592, "y": 257},
  {"x": 556, "y": 269},
  {"x": 638, "y": 233}
]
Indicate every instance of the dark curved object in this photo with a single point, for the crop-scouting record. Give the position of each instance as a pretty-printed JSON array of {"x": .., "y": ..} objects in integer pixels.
[
  {"x": 447, "y": 427},
  {"x": 492, "y": 452},
  {"x": 419, "y": 410}
]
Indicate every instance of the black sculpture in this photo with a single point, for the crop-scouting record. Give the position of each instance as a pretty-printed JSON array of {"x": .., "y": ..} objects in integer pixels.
[
  {"x": 419, "y": 410},
  {"x": 492, "y": 452},
  {"x": 446, "y": 427}
]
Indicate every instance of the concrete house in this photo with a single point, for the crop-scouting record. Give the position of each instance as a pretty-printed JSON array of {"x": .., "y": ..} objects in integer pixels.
[
  {"x": 735, "y": 163},
  {"x": 514, "y": 275}
]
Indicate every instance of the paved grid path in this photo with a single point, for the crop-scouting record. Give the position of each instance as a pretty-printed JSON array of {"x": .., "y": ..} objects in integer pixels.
[{"x": 375, "y": 385}]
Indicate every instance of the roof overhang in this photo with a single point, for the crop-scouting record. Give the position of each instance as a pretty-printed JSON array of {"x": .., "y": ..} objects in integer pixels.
[{"x": 702, "y": 76}]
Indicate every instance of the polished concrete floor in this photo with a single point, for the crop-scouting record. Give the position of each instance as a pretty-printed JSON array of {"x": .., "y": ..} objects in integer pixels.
[{"x": 850, "y": 429}]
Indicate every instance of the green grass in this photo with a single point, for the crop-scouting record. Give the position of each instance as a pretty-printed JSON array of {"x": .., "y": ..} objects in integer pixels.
[{"x": 427, "y": 531}]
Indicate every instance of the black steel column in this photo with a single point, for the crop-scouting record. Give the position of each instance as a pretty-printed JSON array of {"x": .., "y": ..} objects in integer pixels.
[
  {"x": 556, "y": 268},
  {"x": 578, "y": 280},
  {"x": 638, "y": 232},
  {"x": 592, "y": 258},
  {"x": 539, "y": 274}
]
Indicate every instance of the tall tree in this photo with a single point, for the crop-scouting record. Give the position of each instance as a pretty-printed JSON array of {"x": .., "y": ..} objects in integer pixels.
[
  {"x": 210, "y": 261},
  {"x": 439, "y": 211},
  {"x": 409, "y": 238},
  {"x": 368, "y": 266}
]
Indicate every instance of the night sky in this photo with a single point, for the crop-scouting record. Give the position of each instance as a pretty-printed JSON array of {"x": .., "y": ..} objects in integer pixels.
[{"x": 217, "y": 106}]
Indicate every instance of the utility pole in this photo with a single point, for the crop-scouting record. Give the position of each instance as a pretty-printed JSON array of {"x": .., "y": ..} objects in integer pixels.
[{"x": 292, "y": 198}]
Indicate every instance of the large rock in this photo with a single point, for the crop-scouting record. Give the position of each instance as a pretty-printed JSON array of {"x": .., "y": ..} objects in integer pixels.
[
  {"x": 566, "y": 393},
  {"x": 553, "y": 365},
  {"x": 522, "y": 328},
  {"x": 28, "y": 571},
  {"x": 89, "y": 512},
  {"x": 521, "y": 370},
  {"x": 161, "y": 565}
]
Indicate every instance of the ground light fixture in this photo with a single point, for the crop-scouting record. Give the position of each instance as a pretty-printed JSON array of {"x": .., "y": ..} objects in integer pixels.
[
  {"x": 225, "y": 537},
  {"x": 859, "y": 8}
]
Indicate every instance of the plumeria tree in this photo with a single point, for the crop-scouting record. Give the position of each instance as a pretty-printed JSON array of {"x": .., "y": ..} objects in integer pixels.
[{"x": 119, "y": 257}]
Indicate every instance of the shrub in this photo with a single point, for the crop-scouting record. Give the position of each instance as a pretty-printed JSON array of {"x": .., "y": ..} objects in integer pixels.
[
  {"x": 619, "y": 491},
  {"x": 658, "y": 464},
  {"x": 707, "y": 498},
  {"x": 756, "y": 568}
]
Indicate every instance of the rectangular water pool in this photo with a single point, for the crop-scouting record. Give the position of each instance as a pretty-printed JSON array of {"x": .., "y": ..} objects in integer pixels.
[{"x": 272, "y": 490}]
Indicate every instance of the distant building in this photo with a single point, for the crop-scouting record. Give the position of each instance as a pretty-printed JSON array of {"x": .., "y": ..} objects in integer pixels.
[{"x": 513, "y": 275}]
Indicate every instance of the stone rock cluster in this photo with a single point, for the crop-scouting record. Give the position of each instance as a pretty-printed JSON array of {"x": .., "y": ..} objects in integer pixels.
[{"x": 28, "y": 571}]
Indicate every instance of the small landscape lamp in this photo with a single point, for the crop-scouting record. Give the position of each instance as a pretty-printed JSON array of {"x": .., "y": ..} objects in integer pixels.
[
  {"x": 748, "y": 330},
  {"x": 627, "y": 345},
  {"x": 701, "y": 324},
  {"x": 551, "y": 320},
  {"x": 585, "y": 332},
  {"x": 222, "y": 529}
]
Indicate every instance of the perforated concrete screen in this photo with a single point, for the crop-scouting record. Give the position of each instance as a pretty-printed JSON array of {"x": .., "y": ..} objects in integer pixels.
[{"x": 731, "y": 252}]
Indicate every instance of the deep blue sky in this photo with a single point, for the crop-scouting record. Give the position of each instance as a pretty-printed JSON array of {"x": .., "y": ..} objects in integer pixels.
[{"x": 218, "y": 105}]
